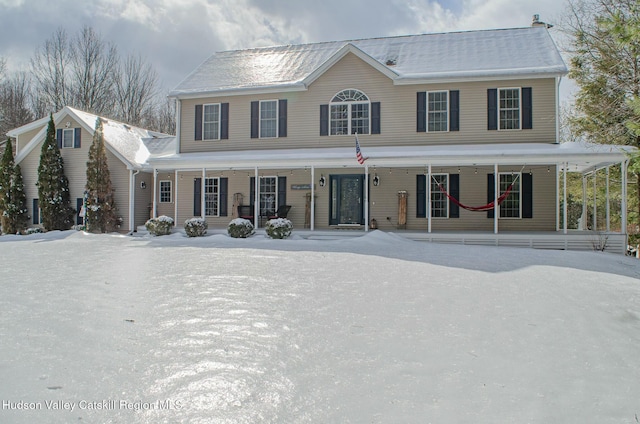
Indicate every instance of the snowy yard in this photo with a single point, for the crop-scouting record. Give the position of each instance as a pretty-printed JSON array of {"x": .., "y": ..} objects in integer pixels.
[{"x": 374, "y": 329}]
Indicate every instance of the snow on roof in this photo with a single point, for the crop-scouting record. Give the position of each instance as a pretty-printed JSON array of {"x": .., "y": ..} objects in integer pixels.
[
  {"x": 131, "y": 142},
  {"x": 489, "y": 53},
  {"x": 581, "y": 156}
]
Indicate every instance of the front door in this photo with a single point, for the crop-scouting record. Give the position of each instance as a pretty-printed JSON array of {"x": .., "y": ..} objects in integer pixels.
[{"x": 346, "y": 200}]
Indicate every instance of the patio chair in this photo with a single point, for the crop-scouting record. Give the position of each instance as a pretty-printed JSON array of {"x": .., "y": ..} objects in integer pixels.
[
  {"x": 282, "y": 212},
  {"x": 245, "y": 212}
]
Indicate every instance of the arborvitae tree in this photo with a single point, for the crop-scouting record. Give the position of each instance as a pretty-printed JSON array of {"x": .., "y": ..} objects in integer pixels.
[
  {"x": 6, "y": 169},
  {"x": 53, "y": 185},
  {"x": 14, "y": 219},
  {"x": 100, "y": 215}
]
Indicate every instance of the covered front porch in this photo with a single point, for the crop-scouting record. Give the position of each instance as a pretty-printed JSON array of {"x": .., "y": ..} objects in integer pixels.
[{"x": 310, "y": 181}]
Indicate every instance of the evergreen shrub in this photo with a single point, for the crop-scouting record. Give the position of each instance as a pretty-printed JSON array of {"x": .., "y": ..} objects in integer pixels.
[
  {"x": 160, "y": 226},
  {"x": 195, "y": 227},
  {"x": 279, "y": 228},
  {"x": 240, "y": 228}
]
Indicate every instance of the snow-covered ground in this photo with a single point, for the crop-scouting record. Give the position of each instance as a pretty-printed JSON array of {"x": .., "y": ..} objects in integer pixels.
[{"x": 372, "y": 329}]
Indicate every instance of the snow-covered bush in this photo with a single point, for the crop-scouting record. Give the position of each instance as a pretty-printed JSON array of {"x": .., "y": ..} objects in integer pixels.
[
  {"x": 34, "y": 230},
  {"x": 279, "y": 228},
  {"x": 78, "y": 227},
  {"x": 240, "y": 228},
  {"x": 195, "y": 227},
  {"x": 160, "y": 226}
]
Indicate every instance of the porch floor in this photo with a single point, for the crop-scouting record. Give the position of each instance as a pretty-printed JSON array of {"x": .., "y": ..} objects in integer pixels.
[{"x": 611, "y": 242}]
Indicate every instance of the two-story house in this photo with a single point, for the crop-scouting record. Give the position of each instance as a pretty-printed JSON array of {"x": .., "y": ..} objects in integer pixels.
[{"x": 448, "y": 125}]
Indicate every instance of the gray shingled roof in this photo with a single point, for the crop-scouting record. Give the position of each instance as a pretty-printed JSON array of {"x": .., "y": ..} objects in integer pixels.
[{"x": 457, "y": 55}]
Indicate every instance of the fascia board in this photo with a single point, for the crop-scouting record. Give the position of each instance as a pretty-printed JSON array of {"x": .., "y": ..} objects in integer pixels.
[
  {"x": 284, "y": 88},
  {"x": 451, "y": 78}
]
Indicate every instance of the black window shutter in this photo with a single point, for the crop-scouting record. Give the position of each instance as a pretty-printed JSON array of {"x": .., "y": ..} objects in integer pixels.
[
  {"x": 421, "y": 196},
  {"x": 198, "y": 126},
  {"x": 282, "y": 118},
  {"x": 36, "y": 212},
  {"x": 224, "y": 121},
  {"x": 527, "y": 109},
  {"x": 492, "y": 109},
  {"x": 454, "y": 191},
  {"x": 324, "y": 120},
  {"x": 255, "y": 119},
  {"x": 491, "y": 190},
  {"x": 224, "y": 184},
  {"x": 79, "y": 202},
  {"x": 421, "y": 112},
  {"x": 59, "y": 138},
  {"x": 197, "y": 197},
  {"x": 76, "y": 137},
  {"x": 454, "y": 110},
  {"x": 527, "y": 196},
  {"x": 375, "y": 118},
  {"x": 282, "y": 191},
  {"x": 252, "y": 190}
]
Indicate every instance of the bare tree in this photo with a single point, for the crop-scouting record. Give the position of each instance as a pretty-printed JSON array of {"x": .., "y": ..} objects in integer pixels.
[
  {"x": 163, "y": 118},
  {"x": 136, "y": 90},
  {"x": 14, "y": 102},
  {"x": 3, "y": 66},
  {"x": 94, "y": 72},
  {"x": 50, "y": 69}
]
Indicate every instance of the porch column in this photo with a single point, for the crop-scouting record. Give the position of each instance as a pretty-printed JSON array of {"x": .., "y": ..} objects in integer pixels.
[
  {"x": 595, "y": 203},
  {"x": 429, "y": 198},
  {"x": 313, "y": 199},
  {"x": 366, "y": 198},
  {"x": 496, "y": 194},
  {"x": 132, "y": 197},
  {"x": 175, "y": 198},
  {"x": 155, "y": 192},
  {"x": 256, "y": 196},
  {"x": 565, "y": 223},
  {"x": 623, "y": 206},
  {"x": 584, "y": 203},
  {"x": 557, "y": 197},
  {"x": 203, "y": 213},
  {"x": 608, "y": 206}
]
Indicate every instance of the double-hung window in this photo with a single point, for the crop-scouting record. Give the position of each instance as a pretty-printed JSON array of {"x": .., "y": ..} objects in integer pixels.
[
  {"x": 511, "y": 206},
  {"x": 439, "y": 200},
  {"x": 349, "y": 113},
  {"x": 268, "y": 118},
  {"x": 509, "y": 111},
  {"x": 165, "y": 191},
  {"x": 67, "y": 138},
  {"x": 437, "y": 111},
  {"x": 211, "y": 122},
  {"x": 212, "y": 197}
]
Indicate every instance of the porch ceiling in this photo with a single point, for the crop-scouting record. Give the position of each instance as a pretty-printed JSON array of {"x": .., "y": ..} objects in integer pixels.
[{"x": 581, "y": 157}]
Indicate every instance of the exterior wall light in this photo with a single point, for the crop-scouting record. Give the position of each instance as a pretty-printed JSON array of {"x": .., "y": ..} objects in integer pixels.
[
  {"x": 322, "y": 181},
  {"x": 376, "y": 180}
]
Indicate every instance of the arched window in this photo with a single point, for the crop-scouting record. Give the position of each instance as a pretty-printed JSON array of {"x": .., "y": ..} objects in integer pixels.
[{"x": 349, "y": 113}]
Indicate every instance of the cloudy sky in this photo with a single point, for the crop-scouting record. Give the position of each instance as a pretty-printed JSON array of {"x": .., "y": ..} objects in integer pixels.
[{"x": 175, "y": 36}]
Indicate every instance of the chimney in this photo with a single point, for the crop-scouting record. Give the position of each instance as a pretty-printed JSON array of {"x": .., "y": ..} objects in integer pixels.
[{"x": 538, "y": 23}]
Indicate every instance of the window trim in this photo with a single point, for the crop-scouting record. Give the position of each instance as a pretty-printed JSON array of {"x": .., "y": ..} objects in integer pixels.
[
  {"x": 498, "y": 108},
  {"x": 277, "y": 118},
  {"x": 519, "y": 176},
  {"x": 446, "y": 199},
  {"x": 73, "y": 138},
  {"x": 350, "y": 118},
  {"x": 170, "y": 193},
  {"x": 218, "y": 118},
  {"x": 446, "y": 110},
  {"x": 204, "y": 192}
]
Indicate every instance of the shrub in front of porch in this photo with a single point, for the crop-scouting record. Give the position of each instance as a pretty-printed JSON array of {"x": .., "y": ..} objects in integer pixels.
[
  {"x": 160, "y": 226},
  {"x": 195, "y": 227},
  {"x": 240, "y": 228},
  {"x": 279, "y": 228}
]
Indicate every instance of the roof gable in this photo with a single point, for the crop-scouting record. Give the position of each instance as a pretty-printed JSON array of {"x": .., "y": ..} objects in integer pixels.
[
  {"x": 128, "y": 143},
  {"x": 488, "y": 54}
]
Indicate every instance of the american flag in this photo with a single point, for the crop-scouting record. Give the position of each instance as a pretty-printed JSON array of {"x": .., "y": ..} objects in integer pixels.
[{"x": 358, "y": 152}]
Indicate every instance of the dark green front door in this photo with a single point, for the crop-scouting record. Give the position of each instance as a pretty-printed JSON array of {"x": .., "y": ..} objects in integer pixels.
[{"x": 346, "y": 199}]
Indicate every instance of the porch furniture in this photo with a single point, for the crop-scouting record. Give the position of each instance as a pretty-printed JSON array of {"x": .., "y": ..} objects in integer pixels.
[
  {"x": 245, "y": 212},
  {"x": 282, "y": 212}
]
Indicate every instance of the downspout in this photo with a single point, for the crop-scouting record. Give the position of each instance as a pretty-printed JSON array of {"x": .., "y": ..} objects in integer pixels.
[
  {"x": 558, "y": 79},
  {"x": 178, "y": 119},
  {"x": 132, "y": 200},
  {"x": 313, "y": 199}
]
